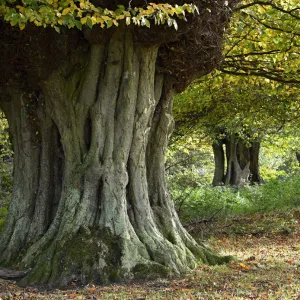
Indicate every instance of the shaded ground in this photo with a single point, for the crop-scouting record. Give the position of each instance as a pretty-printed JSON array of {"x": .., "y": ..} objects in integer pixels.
[{"x": 268, "y": 249}]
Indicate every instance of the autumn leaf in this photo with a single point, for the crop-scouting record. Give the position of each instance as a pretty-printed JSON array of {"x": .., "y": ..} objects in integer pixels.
[{"x": 244, "y": 267}]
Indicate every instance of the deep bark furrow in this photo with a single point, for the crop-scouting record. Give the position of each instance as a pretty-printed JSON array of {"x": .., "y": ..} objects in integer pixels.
[
  {"x": 161, "y": 129},
  {"x": 41, "y": 215}
]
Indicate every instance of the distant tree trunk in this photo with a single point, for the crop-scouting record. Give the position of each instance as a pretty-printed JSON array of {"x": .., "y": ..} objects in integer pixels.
[
  {"x": 219, "y": 163},
  {"x": 254, "y": 163},
  {"x": 90, "y": 201},
  {"x": 230, "y": 144},
  {"x": 237, "y": 162},
  {"x": 242, "y": 162},
  {"x": 298, "y": 157}
]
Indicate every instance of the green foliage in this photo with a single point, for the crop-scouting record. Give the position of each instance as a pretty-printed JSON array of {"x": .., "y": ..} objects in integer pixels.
[
  {"x": 207, "y": 201},
  {"x": 278, "y": 154},
  {"x": 189, "y": 163},
  {"x": 246, "y": 106},
  {"x": 262, "y": 40},
  {"x": 79, "y": 13}
]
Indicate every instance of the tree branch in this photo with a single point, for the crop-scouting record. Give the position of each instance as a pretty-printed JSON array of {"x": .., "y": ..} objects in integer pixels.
[{"x": 263, "y": 3}]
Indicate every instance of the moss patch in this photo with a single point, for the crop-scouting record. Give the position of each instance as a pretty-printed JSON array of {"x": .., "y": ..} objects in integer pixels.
[
  {"x": 151, "y": 271},
  {"x": 85, "y": 257},
  {"x": 93, "y": 256}
]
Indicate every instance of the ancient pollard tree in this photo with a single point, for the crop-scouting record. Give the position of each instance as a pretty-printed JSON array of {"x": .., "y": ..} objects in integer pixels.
[{"x": 87, "y": 89}]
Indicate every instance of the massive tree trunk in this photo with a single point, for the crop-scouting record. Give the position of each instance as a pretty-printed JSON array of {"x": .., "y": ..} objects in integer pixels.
[{"x": 90, "y": 201}]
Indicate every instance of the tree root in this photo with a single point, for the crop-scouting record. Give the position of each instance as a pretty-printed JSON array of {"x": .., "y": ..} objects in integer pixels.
[{"x": 13, "y": 274}]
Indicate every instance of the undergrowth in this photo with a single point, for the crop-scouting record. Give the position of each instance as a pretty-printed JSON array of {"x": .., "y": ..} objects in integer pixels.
[{"x": 207, "y": 202}]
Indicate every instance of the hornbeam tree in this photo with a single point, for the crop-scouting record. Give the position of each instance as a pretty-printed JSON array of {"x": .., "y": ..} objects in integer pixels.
[
  {"x": 235, "y": 113},
  {"x": 254, "y": 93},
  {"x": 87, "y": 90}
]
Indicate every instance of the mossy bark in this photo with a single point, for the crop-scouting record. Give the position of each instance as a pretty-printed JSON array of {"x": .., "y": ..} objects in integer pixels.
[{"x": 90, "y": 201}]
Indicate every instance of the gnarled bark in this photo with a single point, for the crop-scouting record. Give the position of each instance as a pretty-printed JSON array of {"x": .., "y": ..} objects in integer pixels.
[{"x": 90, "y": 201}]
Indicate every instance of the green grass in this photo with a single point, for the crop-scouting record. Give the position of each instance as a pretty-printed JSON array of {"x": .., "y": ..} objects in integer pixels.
[{"x": 207, "y": 201}]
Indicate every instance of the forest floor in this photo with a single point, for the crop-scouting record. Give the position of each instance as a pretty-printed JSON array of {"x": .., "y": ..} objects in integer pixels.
[{"x": 267, "y": 247}]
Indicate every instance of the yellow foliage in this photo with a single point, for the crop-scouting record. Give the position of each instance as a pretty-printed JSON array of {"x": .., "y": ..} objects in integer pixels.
[
  {"x": 61, "y": 12},
  {"x": 66, "y": 11}
]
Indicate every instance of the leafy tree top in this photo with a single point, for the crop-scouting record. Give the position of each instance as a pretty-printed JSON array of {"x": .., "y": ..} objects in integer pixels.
[
  {"x": 221, "y": 104},
  {"x": 263, "y": 40},
  {"x": 257, "y": 90},
  {"x": 77, "y": 13}
]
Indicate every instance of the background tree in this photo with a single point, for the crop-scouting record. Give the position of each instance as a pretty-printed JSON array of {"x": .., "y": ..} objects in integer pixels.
[
  {"x": 235, "y": 113},
  {"x": 237, "y": 110},
  {"x": 90, "y": 115}
]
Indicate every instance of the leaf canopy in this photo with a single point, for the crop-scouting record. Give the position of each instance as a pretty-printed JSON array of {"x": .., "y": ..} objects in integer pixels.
[{"x": 79, "y": 13}]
